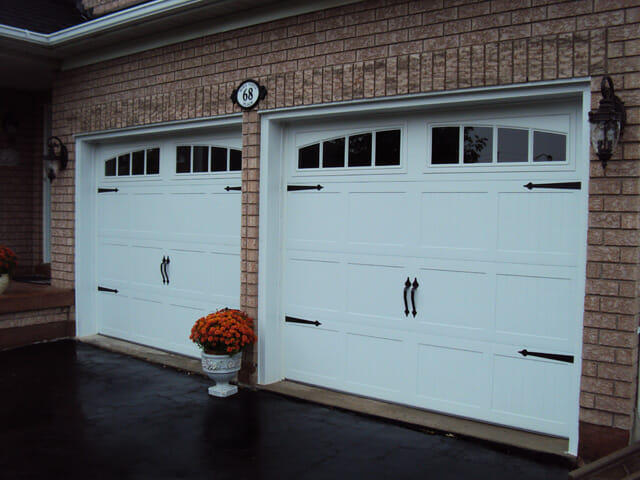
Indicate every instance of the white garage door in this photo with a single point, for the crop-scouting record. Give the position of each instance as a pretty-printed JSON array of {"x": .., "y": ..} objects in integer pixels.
[
  {"x": 423, "y": 253},
  {"x": 168, "y": 239}
]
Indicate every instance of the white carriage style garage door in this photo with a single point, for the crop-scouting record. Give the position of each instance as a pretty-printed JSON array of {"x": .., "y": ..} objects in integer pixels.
[
  {"x": 436, "y": 260},
  {"x": 168, "y": 236}
]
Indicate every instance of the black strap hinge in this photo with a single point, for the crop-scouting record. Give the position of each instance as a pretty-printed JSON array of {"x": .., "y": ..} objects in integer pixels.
[
  {"x": 105, "y": 289},
  {"x": 557, "y": 186},
  {"x": 550, "y": 356},
  {"x": 300, "y": 320},
  {"x": 105, "y": 190},
  {"x": 228, "y": 188},
  {"x": 295, "y": 188}
]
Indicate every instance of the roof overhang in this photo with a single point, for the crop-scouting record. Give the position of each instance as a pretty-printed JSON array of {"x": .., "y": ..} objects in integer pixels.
[{"x": 29, "y": 59}]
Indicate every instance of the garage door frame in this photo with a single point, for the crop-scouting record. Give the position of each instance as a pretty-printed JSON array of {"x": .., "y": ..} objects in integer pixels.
[
  {"x": 272, "y": 194},
  {"x": 85, "y": 202}
]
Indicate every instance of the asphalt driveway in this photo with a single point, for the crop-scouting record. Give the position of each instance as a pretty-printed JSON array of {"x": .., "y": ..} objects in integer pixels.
[{"x": 70, "y": 410}]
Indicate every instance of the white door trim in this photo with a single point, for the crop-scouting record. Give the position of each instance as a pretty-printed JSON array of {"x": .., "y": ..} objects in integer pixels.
[
  {"x": 273, "y": 173},
  {"x": 85, "y": 203}
]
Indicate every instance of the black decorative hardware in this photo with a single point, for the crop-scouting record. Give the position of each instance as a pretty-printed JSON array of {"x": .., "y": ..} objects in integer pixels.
[
  {"x": 550, "y": 356},
  {"x": 414, "y": 287},
  {"x": 407, "y": 286},
  {"x": 557, "y": 186},
  {"x": 105, "y": 190},
  {"x": 607, "y": 122},
  {"x": 162, "y": 264},
  {"x": 300, "y": 320},
  {"x": 56, "y": 158},
  {"x": 228, "y": 188},
  {"x": 166, "y": 271},
  {"x": 105, "y": 289},
  {"x": 295, "y": 188}
]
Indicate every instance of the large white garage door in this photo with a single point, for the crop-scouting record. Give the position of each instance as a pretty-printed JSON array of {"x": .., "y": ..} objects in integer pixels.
[
  {"x": 423, "y": 253},
  {"x": 168, "y": 239}
]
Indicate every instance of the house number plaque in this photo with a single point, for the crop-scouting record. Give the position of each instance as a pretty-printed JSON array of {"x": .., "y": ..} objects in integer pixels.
[{"x": 248, "y": 94}]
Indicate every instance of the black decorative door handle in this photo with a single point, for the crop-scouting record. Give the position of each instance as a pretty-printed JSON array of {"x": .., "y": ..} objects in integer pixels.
[
  {"x": 414, "y": 287},
  {"x": 407, "y": 285},
  {"x": 166, "y": 270},
  {"x": 162, "y": 264}
]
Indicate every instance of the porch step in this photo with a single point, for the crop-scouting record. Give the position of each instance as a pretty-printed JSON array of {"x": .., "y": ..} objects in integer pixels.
[{"x": 621, "y": 465}]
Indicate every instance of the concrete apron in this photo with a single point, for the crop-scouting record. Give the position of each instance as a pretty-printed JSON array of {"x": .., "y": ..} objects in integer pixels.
[{"x": 451, "y": 426}]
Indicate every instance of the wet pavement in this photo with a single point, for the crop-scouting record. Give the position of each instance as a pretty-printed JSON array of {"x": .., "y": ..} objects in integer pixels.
[{"x": 69, "y": 410}]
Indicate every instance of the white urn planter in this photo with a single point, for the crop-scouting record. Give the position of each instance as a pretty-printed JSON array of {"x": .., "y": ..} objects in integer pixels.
[
  {"x": 4, "y": 282},
  {"x": 222, "y": 369}
]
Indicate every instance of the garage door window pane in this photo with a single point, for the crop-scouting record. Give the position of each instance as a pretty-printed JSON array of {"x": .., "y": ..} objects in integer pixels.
[
  {"x": 235, "y": 160},
  {"x": 360, "y": 150},
  {"x": 309, "y": 157},
  {"x": 445, "y": 145},
  {"x": 110, "y": 167},
  {"x": 137, "y": 163},
  {"x": 549, "y": 147},
  {"x": 333, "y": 153},
  {"x": 388, "y": 148},
  {"x": 478, "y": 144},
  {"x": 183, "y": 159},
  {"x": 513, "y": 145},
  {"x": 123, "y": 164},
  {"x": 153, "y": 161},
  {"x": 218, "y": 159},
  {"x": 200, "y": 159}
]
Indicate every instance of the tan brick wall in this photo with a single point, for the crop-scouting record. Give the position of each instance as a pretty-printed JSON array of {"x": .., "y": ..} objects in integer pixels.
[
  {"x": 385, "y": 48},
  {"x": 21, "y": 184}
]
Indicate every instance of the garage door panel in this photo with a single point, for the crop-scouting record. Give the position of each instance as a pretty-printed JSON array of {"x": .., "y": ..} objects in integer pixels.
[
  {"x": 378, "y": 219},
  {"x": 113, "y": 214},
  {"x": 145, "y": 264},
  {"x": 315, "y": 285},
  {"x": 382, "y": 373},
  {"x": 116, "y": 308},
  {"x": 530, "y": 392},
  {"x": 456, "y": 220},
  {"x": 535, "y": 309},
  {"x": 114, "y": 263},
  {"x": 438, "y": 364},
  {"x": 309, "y": 347},
  {"x": 538, "y": 222},
  {"x": 375, "y": 290},
  {"x": 315, "y": 220},
  {"x": 457, "y": 299},
  {"x": 149, "y": 213}
]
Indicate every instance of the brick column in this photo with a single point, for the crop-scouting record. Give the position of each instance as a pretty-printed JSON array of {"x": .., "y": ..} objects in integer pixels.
[{"x": 249, "y": 232}]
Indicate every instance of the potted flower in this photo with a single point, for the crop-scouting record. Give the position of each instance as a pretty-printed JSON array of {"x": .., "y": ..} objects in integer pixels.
[
  {"x": 8, "y": 263},
  {"x": 222, "y": 335}
]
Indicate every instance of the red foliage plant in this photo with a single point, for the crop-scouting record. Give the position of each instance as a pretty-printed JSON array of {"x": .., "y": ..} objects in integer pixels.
[
  {"x": 224, "y": 332},
  {"x": 8, "y": 260}
]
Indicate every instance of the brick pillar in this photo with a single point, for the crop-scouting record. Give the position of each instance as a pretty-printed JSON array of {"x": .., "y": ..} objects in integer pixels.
[
  {"x": 249, "y": 232},
  {"x": 610, "y": 348}
]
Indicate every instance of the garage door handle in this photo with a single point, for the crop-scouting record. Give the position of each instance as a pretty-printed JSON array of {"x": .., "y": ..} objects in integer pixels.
[
  {"x": 413, "y": 299},
  {"x": 166, "y": 269},
  {"x": 407, "y": 286},
  {"x": 162, "y": 265}
]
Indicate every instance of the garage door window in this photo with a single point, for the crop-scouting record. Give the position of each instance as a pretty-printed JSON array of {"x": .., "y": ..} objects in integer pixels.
[
  {"x": 479, "y": 144},
  {"x": 139, "y": 162},
  {"x": 368, "y": 149},
  {"x": 205, "y": 159}
]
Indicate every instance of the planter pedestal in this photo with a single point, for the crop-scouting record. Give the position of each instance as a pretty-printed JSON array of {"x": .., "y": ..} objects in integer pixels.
[
  {"x": 222, "y": 369},
  {"x": 4, "y": 282}
]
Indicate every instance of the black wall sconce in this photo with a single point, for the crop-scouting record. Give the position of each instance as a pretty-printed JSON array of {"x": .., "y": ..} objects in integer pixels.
[
  {"x": 56, "y": 158},
  {"x": 607, "y": 122}
]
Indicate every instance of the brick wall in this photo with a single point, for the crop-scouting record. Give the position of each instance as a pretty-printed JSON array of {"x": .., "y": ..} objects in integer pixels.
[
  {"x": 98, "y": 8},
  {"x": 21, "y": 180},
  {"x": 386, "y": 48},
  {"x": 25, "y": 328}
]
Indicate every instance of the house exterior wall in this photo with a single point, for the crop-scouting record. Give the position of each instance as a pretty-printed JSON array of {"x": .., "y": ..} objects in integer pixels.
[
  {"x": 21, "y": 181},
  {"x": 386, "y": 48},
  {"x": 98, "y": 8}
]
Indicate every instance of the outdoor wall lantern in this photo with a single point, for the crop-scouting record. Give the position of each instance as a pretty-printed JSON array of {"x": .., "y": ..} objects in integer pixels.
[
  {"x": 56, "y": 158},
  {"x": 607, "y": 122}
]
